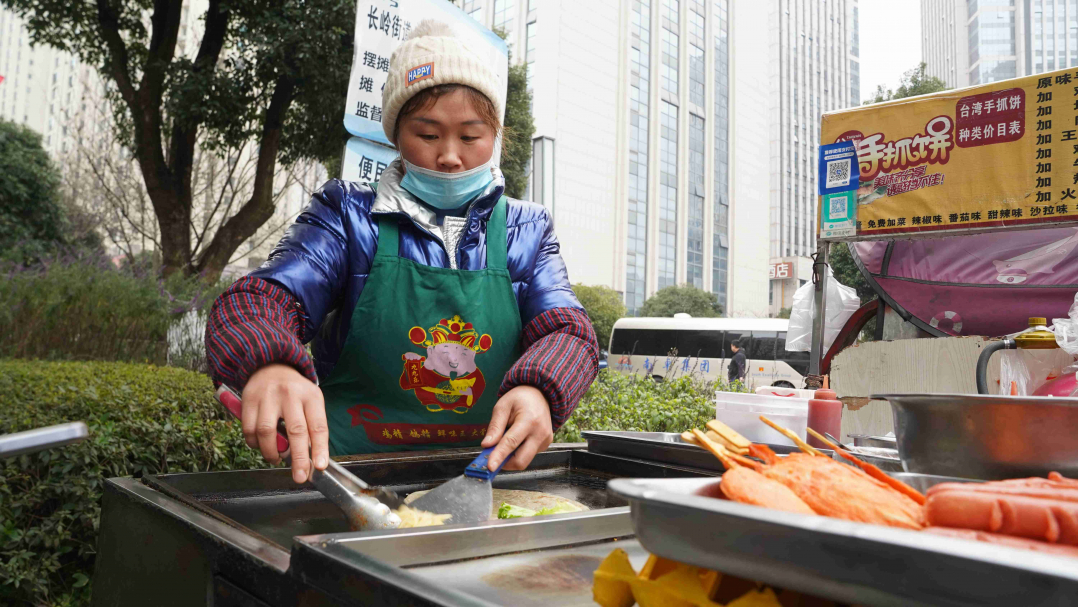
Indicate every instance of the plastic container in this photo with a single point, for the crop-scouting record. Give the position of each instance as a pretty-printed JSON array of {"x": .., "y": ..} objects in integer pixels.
[
  {"x": 785, "y": 392},
  {"x": 742, "y": 413}
]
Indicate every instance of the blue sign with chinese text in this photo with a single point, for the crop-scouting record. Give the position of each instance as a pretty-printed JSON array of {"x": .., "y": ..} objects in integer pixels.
[{"x": 839, "y": 171}]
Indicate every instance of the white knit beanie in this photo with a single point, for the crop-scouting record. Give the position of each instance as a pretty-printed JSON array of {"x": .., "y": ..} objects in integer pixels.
[{"x": 432, "y": 55}]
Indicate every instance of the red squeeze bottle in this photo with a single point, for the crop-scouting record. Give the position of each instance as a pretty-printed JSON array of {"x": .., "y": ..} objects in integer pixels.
[{"x": 824, "y": 415}]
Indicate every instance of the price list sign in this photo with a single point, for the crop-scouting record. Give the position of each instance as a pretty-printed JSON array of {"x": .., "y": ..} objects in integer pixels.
[
  {"x": 986, "y": 158},
  {"x": 381, "y": 26}
]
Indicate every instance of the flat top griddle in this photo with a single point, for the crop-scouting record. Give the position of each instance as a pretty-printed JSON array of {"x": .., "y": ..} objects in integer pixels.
[{"x": 268, "y": 505}]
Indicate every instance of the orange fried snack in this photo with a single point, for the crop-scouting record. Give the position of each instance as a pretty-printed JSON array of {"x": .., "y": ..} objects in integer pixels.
[
  {"x": 750, "y": 487},
  {"x": 834, "y": 489}
]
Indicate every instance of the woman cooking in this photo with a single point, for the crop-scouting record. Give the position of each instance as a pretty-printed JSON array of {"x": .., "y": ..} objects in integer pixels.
[{"x": 443, "y": 310}]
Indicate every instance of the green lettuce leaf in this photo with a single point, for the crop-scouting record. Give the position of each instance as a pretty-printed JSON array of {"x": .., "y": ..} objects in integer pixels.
[{"x": 508, "y": 510}]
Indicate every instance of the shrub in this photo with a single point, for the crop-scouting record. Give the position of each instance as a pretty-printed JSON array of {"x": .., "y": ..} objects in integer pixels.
[
  {"x": 142, "y": 420},
  {"x": 603, "y": 306},
  {"x": 76, "y": 307},
  {"x": 636, "y": 403}
]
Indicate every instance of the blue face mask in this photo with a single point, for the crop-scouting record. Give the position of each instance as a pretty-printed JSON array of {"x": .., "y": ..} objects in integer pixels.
[{"x": 446, "y": 191}]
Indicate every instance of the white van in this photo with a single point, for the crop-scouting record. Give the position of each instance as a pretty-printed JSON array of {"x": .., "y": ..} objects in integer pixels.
[{"x": 671, "y": 347}]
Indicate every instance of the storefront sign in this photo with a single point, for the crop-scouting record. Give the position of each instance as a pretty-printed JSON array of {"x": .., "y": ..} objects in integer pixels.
[
  {"x": 998, "y": 156},
  {"x": 780, "y": 271}
]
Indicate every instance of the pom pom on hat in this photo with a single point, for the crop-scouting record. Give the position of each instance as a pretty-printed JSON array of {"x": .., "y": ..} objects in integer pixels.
[{"x": 435, "y": 54}]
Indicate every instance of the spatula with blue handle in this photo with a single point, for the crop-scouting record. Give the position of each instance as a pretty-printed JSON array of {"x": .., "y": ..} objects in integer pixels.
[{"x": 469, "y": 498}]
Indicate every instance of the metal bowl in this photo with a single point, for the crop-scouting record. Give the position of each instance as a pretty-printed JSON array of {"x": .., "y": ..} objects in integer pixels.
[{"x": 988, "y": 437}]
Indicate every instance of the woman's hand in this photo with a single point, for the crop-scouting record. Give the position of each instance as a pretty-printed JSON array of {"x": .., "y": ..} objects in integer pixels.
[
  {"x": 280, "y": 391},
  {"x": 526, "y": 413}
]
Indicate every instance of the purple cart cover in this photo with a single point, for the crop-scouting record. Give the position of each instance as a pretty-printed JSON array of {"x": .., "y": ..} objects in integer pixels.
[{"x": 988, "y": 284}]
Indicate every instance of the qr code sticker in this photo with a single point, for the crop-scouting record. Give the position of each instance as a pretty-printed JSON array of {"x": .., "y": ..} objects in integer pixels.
[
  {"x": 838, "y": 172},
  {"x": 838, "y": 207}
]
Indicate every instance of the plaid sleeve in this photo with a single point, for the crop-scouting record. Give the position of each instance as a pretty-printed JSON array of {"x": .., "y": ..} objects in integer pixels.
[
  {"x": 252, "y": 324},
  {"x": 561, "y": 359}
]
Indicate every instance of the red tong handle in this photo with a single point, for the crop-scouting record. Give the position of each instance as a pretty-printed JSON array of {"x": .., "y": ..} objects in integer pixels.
[{"x": 231, "y": 401}]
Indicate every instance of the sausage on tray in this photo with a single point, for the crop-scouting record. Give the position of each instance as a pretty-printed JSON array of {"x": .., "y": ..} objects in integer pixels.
[
  {"x": 1052, "y": 520},
  {"x": 1028, "y": 487},
  {"x": 1006, "y": 540}
]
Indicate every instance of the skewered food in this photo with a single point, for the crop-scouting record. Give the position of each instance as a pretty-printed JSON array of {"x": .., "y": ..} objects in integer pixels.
[
  {"x": 825, "y": 486},
  {"x": 873, "y": 471},
  {"x": 750, "y": 487},
  {"x": 834, "y": 489},
  {"x": 1032, "y": 513}
]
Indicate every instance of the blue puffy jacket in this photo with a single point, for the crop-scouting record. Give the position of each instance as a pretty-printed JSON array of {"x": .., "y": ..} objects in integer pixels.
[{"x": 336, "y": 237}]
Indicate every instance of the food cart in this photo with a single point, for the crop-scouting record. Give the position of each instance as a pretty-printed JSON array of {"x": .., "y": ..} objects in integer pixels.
[{"x": 927, "y": 167}]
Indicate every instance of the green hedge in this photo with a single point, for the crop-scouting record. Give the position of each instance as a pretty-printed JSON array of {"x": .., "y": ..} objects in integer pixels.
[
  {"x": 636, "y": 403},
  {"x": 146, "y": 420},
  {"x": 143, "y": 420},
  {"x": 82, "y": 307}
]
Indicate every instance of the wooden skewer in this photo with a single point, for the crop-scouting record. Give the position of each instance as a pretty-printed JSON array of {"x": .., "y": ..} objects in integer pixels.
[
  {"x": 716, "y": 449},
  {"x": 744, "y": 461},
  {"x": 737, "y": 459},
  {"x": 873, "y": 471},
  {"x": 807, "y": 448}
]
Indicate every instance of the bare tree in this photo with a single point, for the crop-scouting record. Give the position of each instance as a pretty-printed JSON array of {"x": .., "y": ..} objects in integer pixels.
[{"x": 101, "y": 178}]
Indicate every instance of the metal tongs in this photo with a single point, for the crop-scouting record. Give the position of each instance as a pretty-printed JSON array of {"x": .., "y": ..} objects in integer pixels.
[{"x": 366, "y": 508}]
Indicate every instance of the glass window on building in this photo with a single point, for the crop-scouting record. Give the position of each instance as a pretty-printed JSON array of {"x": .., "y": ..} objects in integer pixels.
[
  {"x": 720, "y": 210},
  {"x": 474, "y": 9},
  {"x": 639, "y": 91},
  {"x": 503, "y": 14},
  {"x": 694, "y": 274},
  {"x": 670, "y": 47},
  {"x": 696, "y": 22},
  {"x": 697, "y": 79},
  {"x": 529, "y": 52},
  {"x": 668, "y": 142},
  {"x": 993, "y": 71}
]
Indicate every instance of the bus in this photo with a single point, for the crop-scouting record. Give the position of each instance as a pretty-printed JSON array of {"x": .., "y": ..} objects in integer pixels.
[{"x": 671, "y": 347}]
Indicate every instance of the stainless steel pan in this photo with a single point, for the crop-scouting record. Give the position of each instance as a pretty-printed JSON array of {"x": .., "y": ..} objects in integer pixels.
[{"x": 986, "y": 437}]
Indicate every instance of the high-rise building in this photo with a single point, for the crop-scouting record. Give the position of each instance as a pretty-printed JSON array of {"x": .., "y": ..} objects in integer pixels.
[
  {"x": 815, "y": 69},
  {"x": 969, "y": 42},
  {"x": 944, "y": 41},
  {"x": 650, "y": 114}
]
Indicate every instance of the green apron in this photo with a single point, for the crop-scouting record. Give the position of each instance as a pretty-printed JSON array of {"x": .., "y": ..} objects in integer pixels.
[{"x": 426, "y": 351}]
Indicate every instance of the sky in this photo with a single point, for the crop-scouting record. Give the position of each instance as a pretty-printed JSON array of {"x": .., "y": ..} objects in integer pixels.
[{"x": 890, "y": 40}]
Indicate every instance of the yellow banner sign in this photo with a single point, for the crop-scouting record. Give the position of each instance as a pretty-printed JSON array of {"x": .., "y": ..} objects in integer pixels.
[{"x": 983, "y": 158}]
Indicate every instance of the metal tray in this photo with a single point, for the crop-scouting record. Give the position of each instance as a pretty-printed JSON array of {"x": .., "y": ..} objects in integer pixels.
[
  {"x": 841, "y": 560},
  {"x": 521, "y": 562},
  {"x": 666, "y": 447}
]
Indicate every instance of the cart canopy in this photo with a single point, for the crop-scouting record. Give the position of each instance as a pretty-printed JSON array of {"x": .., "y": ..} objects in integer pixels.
[{"x": 986, "y": 284}]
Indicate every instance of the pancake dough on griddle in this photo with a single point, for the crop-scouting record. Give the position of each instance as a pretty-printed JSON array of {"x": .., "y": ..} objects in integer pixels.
[{"x": 532, "y": 500}]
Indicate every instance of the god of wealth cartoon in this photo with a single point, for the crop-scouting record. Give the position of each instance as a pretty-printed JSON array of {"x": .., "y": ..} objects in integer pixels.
[{"x": 447, "y": 378}]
